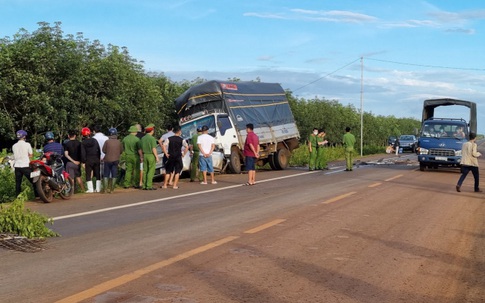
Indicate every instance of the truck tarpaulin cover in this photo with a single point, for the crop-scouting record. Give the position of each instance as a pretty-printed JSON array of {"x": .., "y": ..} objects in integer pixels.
[{"x": 263, "y": 104}]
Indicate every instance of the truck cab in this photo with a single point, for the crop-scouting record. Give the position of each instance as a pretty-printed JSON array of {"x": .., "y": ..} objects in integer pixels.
[
  {"x": 440, "y": 142},
  {"x": 441, "y": 139}
]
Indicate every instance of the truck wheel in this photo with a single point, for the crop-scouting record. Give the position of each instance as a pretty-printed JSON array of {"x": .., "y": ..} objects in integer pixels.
[
  {"x": 422, "y": 167},
  {"x": 235, "y": 161},
  {"x": 281, "y": 158},
  {"x": 271, "y": 162}
]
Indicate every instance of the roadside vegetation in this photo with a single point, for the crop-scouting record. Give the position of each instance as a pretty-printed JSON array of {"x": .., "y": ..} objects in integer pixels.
[{"x": 52, "y": 81}]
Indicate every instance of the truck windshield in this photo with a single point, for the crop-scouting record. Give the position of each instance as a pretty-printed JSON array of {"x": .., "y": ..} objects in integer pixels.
[
  {"x": 190, "y": 128},
  {"x": 444, "y": 130}
]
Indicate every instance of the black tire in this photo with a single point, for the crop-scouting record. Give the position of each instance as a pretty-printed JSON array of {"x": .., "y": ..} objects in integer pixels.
[
  {"x": 422, "y": 166},
  {"x": 44, "y": 190},
  {"x": 235, "y": 161},
  {"x": 271, "y": 162},
  {"x": 281, "y": 158},
  {"x": 68, "y": 191}
]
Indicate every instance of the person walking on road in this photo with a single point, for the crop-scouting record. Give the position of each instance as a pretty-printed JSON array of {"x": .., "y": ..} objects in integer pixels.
[
  {"x": 206, "y": 147},
  {"x": 251, "y": 153},
  {"x": 148, "y": 147},
  {"x": 22, "y": 154},
  {"x": 312, "y": 148},
  {"x": 469, "y": 162},
  {"x": 131, "y": 145},
  {"x": 348, "y": 142},
  {"x": 174, "y": 149}
]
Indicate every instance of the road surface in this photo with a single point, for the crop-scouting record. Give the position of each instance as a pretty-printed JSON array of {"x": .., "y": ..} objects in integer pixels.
[{"x": 382, "y": 233}]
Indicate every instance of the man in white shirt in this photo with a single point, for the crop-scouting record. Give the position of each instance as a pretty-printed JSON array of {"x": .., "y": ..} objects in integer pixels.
[
  {"x": 206, "y": 145},
  {"x": 101, "y": 138},
  {"x": 22, "y": 153}
]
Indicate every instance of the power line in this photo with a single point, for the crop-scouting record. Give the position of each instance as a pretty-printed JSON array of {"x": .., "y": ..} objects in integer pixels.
[
  {"x": 327, "y": 74},
  {"x": 425, "y": 65}
]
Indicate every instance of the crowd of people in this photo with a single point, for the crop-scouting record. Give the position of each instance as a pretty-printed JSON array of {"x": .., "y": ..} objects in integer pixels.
[{"x": 99, "y": 155}]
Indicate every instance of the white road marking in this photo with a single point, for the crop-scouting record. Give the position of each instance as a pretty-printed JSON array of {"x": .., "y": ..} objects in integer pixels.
[{"x": 101, "y": 210}]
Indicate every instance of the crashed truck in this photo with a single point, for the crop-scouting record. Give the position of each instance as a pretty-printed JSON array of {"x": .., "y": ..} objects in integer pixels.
[{"x": 226, "y": 107}]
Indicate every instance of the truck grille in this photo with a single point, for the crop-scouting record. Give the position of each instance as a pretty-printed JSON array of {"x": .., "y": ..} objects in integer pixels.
[{"x": 442, "y": 152}]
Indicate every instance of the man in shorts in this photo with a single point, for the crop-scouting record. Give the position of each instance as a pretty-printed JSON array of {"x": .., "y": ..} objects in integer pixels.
[
  {"x": 251, "y": 153},
  {"x": 174, "y": 149},
  {"x": 206, "y": 145}
]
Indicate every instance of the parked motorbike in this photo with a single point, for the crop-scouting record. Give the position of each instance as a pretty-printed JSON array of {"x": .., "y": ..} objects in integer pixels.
[{"x": 50, "y": 178}]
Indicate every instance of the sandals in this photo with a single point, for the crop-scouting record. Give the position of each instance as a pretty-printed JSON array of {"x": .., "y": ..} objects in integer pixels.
[{"x": 249, "y": 184}]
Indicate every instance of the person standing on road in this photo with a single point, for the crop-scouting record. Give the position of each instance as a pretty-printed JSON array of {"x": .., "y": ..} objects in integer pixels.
[
  {"x": 162, "y": 139},
  {"x": 22, "y": 154},
  {"x": 396, "y": 146},
  {"x": 206, "y": 147},
  {"x": 140, "y": 133},
  {"x": 348, "y": 142},
  {"x": 312, "y": 148},
  {"x": 469, "y": 162},
  {"x": 194, "y": 162},
  {"x": 321, "y": 161},
  {"x": 175, "y": 149},
  {"x": 148, "y": 147},
  {"x": 131, "y": 145},
  {"x": 251, "y": 153},
  {"x": 112, "y": 150},
  {"x": 101, "y": 138},
  {"x": 73, "y": 153},
  {"x": 91, "y": 157}
]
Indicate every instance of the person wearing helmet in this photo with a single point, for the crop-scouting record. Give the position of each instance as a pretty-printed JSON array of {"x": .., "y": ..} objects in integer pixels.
[
  {"x": 112, "y": 150},
  {"x": 51, "y": 145},
  {"x": 91, "y": 158},
  {"x": 22, "y": 154}
]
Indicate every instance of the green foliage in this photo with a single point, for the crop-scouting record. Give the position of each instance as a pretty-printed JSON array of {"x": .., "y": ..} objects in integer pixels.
[{"x": 14, "y": 218}]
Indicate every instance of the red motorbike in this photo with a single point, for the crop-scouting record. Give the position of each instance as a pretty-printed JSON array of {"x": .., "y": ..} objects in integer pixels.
[{"x": 50, "y": 178}]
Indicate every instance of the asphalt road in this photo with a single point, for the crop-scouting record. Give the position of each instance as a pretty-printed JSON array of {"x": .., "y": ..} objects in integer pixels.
[{"x": 385, "y": 232}]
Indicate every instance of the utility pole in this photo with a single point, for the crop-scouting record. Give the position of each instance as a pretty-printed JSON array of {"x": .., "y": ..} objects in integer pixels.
[{"x": 361, "y": 105}]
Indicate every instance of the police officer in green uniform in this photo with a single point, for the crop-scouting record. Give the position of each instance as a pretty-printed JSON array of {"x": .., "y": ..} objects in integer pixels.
[
  {"x": 348, "y": 142},
  {"x": 312, "y": 148},
  {"x": 131, "y": 145},
  {"x": 321, "y": 161},
  {"x": 194, "y": 148},
  {"x": 148, "y": 146}
]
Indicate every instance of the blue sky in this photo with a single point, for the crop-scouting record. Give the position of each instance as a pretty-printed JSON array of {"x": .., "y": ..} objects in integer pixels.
[{"x": 412, "y": 50}]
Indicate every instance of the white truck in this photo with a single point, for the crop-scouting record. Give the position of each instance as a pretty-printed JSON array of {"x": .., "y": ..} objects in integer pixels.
[{"x": 226, "y": 107}]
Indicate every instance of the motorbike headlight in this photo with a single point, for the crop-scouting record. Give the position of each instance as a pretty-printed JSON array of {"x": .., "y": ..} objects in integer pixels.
[
  {"x": 458, "y": 153},
  {"x": 423, "y": 151}
]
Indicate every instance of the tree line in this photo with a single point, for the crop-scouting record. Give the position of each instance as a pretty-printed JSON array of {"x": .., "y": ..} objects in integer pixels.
[{"x": 52, "y": 81}]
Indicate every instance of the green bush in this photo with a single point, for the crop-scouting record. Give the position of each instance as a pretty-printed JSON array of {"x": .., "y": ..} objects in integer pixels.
[{"x": 15, "y": 219}]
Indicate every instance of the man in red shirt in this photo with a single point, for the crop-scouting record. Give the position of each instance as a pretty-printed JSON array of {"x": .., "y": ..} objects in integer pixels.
[{"x": 251, "y": 153}]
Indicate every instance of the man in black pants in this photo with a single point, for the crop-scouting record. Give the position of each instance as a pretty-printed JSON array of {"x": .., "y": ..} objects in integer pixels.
[
  {"x": 22, "y": 153},
  {"x": 174, "y": 149}
]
